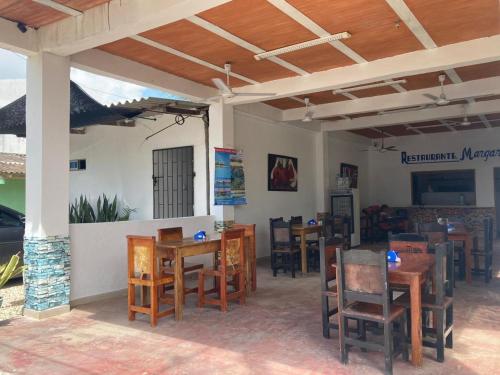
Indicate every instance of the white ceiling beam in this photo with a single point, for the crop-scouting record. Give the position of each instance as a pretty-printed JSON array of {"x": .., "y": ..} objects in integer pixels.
[
  {"x": 60, "y": 7},
  {"x": 116, "y": 20},
  {"x": 485, "y": 121},
  {"x": 430, "y": 114},
  {"x": 422, "y": 61},
  {"x": 411, "y": 128},
  {"x": 196, "y": 60},
  {"x": 406, "y": 15},
  {"x": 414, "y": 98},
  {"x": 12, "y": 39},
  {"x": 244, "y": 44},
  {"x": 103, "y": 63}
]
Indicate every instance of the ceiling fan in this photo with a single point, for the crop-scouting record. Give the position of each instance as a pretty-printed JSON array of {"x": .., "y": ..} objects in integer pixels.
[
  {"x": 225, "y": 90},
  {"x": 309, "y": 113},
  {"x": 379, "y": 146},
  {"x": 441, "y": 99},
  {"x": 465, "y": 121}
]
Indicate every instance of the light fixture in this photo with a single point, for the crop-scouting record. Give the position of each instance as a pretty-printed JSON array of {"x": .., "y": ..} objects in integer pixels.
[
  {"x": 308, "y": 114},
  {"x": 2, "y": 180},
  {"x": 369, "y": 86},
  {"x": 401, "y": 110},
  {"x": 299, "y": 46}
]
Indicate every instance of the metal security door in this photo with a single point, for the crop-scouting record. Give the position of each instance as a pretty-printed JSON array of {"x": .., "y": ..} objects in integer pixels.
[{"x": 173, "y": 182}]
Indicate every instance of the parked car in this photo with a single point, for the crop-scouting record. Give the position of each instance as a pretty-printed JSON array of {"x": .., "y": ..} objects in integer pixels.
[{"x": 11, "y": 233}]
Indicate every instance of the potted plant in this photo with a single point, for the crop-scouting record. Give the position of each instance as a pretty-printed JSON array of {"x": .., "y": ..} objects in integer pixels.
[{"x": 9, "y": 271}]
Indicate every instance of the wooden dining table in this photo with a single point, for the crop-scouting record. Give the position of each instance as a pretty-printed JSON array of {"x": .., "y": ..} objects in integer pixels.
[
  {"x": 458, "y": 232},
  {"x": 190, "y": 247},
  {"x": 302, "y": 230},
  {"x": 413, "y": 270}
]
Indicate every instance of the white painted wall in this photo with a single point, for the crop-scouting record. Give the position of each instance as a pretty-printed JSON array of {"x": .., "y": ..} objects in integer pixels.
[
  {"x": 390, "y": 180},
  {"x": 99, "y": 251},
  {"x": 257, "y": 138},
  {"x": 120, "y": 161},
  {"x": 347, "y": 148}
]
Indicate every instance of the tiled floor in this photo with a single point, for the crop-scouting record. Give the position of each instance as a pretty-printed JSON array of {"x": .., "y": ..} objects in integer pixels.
[{"x": 277, "y": 332}]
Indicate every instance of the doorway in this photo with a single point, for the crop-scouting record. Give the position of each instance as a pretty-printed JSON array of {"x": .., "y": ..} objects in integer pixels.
[
  {"x": 497, "y": 198},
  {"x": 173, "y": 178}
]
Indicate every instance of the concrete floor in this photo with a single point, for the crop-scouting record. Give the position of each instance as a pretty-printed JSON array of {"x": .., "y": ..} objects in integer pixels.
[{"x": 278, "y": 331}]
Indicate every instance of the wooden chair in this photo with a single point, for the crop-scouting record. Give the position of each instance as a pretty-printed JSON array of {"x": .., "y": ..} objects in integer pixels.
[
  {"x": 251, "y": 256},
  {"x": 143, "y": 271},
  {"x": 435, "y": 233},
  {"x": 483, "y": 248},
  {"x": 231, "y": 265},
  {"x": 408, "y": 243},
  {"x": 285, "y": 252},
  {"x": 175, "y": 234},
  {"x": 328, "y": 256},
  {"x": 440, "y": 303},
  {"x": 362, "y": 280}
]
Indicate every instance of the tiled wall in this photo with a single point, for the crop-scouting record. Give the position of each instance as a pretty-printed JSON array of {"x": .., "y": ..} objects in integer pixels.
[
  {"x": 472, "y": 216},
  {"x": 47, "y": 277}
]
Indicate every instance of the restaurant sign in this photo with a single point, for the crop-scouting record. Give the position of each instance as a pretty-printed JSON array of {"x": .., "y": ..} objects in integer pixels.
[{"x": 449, "y": 157}]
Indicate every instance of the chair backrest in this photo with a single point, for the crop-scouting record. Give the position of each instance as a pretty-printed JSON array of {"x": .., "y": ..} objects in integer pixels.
[
  {"x": 408, "y": 243},
  {"x": 248, "y": 228},
  {"x": 435, "y": 233},
  {"x": 362, "y": 276},
  {"x": 271, "y": 222},
  {"x": 232, "y": 248},
  {"x": 281, "y": 234},
  {"x": 296, "y": 220},
  {"x": 327, "y": 257},
  {"x": 142, "y": 261},
  {"x": 484, "y": 237},
  {"x": 444, "y": 271},
  {"x": 170, "y": 234}
]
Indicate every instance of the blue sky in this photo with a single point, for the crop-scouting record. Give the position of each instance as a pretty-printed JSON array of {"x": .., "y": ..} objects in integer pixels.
[{"x": 103, "y": 89}]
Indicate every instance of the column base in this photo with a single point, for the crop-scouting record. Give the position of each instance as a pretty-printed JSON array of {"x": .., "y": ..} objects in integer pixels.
[{"x": 48, "y": 313}]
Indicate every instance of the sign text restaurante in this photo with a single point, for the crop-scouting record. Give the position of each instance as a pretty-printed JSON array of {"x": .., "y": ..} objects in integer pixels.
[{"x": 449, "y": 157}]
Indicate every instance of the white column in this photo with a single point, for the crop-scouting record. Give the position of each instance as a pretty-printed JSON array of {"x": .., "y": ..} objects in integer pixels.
[
  {"x": 221, "y": 134},
  {"x": 47, "y": 183},
  {"x": 322, "y": 172}
]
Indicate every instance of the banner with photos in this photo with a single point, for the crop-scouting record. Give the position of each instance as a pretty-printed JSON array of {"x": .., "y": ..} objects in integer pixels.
[{"x": 229, "y": 189}]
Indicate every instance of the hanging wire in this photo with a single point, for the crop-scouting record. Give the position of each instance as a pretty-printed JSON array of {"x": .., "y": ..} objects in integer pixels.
[{"x": 179, "y": 120}]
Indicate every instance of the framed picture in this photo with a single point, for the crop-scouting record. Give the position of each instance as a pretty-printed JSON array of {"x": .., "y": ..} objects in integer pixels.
[
  {"x": 349, "y": 170},
  {"x": 282, "y": 173}
]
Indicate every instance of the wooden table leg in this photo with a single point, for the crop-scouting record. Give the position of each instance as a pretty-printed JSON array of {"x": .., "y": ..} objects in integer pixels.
[
  {"x": 248, "y": 262},
  {"x": 253, "y": 263},
  {"x": 416, "y": 321},
  {"x": 303, "y": 252},
  {"x": 178, "y": 286},
  {"x": 468, "y": 259}
]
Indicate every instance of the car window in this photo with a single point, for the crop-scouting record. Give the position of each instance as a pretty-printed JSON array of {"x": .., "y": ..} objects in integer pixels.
[{"x": 7, "y": 220}]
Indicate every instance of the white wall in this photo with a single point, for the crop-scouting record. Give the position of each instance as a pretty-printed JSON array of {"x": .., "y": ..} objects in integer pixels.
[
  {"x": 390, "y": 180},
  {"x": 99, "y": 251},
  {"x": 120, "y": 161},
  {"x": 257, "y": 138},
  {"x": 347, "y": 148}
]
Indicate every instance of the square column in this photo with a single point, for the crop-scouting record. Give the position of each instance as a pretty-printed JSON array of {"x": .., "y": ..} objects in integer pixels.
[
  {"x": 221, "y": 134},
  {"x": 322, "y": 172},
  {"x": 46, "y": 243}
]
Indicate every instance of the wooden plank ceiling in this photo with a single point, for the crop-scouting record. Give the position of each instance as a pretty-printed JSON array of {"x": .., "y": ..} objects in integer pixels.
[
  {"x": 376, "y": 32},
  {"x": 36, "y": 15},
  {"x": 234, "y": 31}
]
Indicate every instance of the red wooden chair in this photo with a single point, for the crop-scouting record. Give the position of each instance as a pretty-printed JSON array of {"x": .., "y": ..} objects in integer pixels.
[
  {"x": 230, "y": 268},
  {"x": 143, "y": 271}
]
